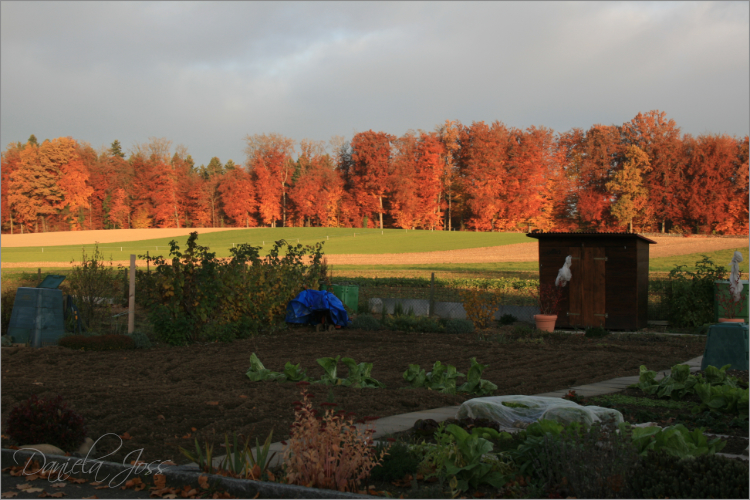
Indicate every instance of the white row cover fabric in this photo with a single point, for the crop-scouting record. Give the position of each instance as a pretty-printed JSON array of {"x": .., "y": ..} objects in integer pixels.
[
  {"x": 560, "y": 410},
  {"x": 735, "y": 287},
  {"x": 564, "y": 275}
]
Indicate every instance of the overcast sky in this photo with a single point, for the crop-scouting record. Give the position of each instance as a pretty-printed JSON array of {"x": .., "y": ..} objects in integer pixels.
[{"x": 206, "y": 75}]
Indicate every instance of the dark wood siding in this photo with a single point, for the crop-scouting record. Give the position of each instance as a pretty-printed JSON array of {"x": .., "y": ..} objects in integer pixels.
[{"x": 616, "y": 287}]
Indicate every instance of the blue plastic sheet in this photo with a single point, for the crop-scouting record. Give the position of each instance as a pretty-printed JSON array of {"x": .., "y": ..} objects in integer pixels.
[{"x": 310, "y": 306}]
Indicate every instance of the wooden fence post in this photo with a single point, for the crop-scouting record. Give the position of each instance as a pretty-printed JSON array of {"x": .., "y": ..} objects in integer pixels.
[
  {"x": 131, "y": 296},
  {"x": 432, "y": 295}
]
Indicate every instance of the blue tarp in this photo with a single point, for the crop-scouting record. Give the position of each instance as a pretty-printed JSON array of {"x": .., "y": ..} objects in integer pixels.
[{"x": 311, "y": 305}]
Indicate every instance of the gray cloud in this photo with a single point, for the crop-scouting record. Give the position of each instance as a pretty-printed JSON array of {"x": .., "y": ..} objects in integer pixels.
[{"x": 207, "y": 74}]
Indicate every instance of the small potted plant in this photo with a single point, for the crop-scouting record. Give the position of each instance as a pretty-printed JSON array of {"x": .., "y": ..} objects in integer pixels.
[
  {"x": 549, "y": 298},
  {"x": 729, "y": 306}
]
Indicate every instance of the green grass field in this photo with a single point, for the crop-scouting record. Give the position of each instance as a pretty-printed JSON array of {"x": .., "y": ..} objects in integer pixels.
[
  {"x": 337, "y": 241},
  {"x": 344, "y": 241}
]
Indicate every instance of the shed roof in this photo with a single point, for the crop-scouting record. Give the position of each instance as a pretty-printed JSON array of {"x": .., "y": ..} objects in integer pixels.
[{"x": 587, "y": 234}]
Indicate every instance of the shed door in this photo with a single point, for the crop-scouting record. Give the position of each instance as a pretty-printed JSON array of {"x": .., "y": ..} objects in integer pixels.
[{"x": 587, "y": 295}]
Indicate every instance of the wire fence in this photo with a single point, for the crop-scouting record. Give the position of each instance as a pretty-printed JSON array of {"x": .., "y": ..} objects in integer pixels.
[{"x": 447, "y": 301}]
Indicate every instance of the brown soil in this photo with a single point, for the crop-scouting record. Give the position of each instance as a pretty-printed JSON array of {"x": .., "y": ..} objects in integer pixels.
[{"x": 165, "y": 397}]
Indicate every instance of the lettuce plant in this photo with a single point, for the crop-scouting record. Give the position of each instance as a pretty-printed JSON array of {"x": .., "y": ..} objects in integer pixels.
[
  {"x": 468, "y": 467},
  {"x": 474, "y": 383},
  {"x": 359, "y": 375},
  {"x": 676, "y": 440},
  {"x": 722, "y": 398},
  {"x": 257, "y": 372}
]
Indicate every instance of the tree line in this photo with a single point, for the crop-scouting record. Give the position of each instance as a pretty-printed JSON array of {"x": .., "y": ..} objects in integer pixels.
[{"x": 644, "y": 175}]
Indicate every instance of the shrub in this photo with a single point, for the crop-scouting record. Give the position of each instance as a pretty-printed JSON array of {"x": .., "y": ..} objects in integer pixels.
[
  {"x": 91, "y": 281},
  {"x": 691, "y": 298},
  {"x": 141, "y": 340},
  {"x": 7, "y": 299},
  {"x": 327, "y": 452},
  {"x": 366, "y": 322},
  {"x": 97, "y": 342},
  {"x": 46, "y": 421},
  {"x": 596, "y": 332},
  {"x": 458, "y": 326},
  {"x": 398, "y": 462},
  {"x": 195, "y": 294},
  {"x": 409, "y": 323},
  {"x": 481, "y": 306},
  {"x": 507, "y": 319},
  {"x": 610, "y": 457},
  {"x": 660, "y": 475}
]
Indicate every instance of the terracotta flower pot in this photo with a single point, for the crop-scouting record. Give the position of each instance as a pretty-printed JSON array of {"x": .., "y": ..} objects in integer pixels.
[
  {"x": 545, "y": 322},
  {"x": 731, "y": 320}
]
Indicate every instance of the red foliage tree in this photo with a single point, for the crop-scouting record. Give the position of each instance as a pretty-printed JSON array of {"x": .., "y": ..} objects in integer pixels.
[
  {"x": 238, "y": 197},
  {"x": 371, "y": 171}
]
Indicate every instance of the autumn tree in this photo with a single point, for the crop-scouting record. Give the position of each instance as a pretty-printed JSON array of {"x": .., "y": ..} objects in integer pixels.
[
  {"x": 482, "y": 162},
  {"x": 660, "y": 139},
  {"x": 449, "y": 134},
  {"x": 11, "y": 160},
  {"x": 598, "y": 155},
  {"x": 238, "y": 197},
  {"x": 269, "y": 161},
  {"x": 371, "y": 170},
  {"x": 627, "y": 186}
]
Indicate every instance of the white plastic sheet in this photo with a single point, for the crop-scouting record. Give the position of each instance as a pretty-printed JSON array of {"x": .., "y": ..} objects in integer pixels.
[
  {"x": 564, "y": 274},
  {"x": 735, "y": 287},
  {"x": 537, "y": 407}
]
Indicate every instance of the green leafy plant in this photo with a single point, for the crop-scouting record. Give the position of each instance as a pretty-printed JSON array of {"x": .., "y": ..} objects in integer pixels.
[
  {"x": 293, "y": 373},
  {"x": 93, "y": 283},
  {"x": 442, "y": 378},
  {"x": 609, "y": 458},
  {"x": 194, "y": 295},
  {"x": 690, "y": 300},
  {"x": 359, "y": 375},
  {"x": 467, "y": 465},
  {"x": 676, "y": 385},
  {"x": 457, "y": 326},
  {"x": 257, "y": 372},
  {"x": 366, "y": 322},
  {"x": 239, "y": 461},
  {"x": 676, "y": 440},
  {"x": 415, "y": 375},
  {"x": 46, "y": 421},
  {"x": 330, "y": 367},
  {"x": 397, "y": 463},
  {"x": 474, "y": 383},
  {"x": 660, "y": 475},
  {"x": 722, "y": 398}
]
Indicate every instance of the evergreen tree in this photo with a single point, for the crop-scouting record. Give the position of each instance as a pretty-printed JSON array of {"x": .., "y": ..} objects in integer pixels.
[
  {"x": 32, "y": 140},
  {"x": 116, "y": 149}
]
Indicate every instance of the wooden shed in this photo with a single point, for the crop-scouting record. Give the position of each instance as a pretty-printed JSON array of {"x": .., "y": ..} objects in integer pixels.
[{"x": 609, "y": 284}]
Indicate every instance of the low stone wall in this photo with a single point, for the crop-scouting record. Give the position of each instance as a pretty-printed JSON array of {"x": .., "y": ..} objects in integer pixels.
[{"x": 454, "y": 310}]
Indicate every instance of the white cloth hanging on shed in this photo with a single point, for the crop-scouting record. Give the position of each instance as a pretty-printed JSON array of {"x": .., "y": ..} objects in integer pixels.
[
  {"x": 735, "y": 287},
  {"x": 564, "y": 275}
]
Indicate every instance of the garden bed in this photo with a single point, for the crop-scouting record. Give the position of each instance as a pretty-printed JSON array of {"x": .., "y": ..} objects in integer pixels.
[{"x": 162, "y": 398}]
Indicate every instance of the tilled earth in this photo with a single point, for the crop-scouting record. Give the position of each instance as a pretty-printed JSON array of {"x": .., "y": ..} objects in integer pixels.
[{"x": 165, "y": 397}]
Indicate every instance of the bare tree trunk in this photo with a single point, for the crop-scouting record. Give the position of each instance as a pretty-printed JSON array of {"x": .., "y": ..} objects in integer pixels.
[
  {"x": 176, "y": 216},
  {"x": 11, "y": 222},
  {"x": 449, "y": 211},
  {"x": 381, "y": 212}
]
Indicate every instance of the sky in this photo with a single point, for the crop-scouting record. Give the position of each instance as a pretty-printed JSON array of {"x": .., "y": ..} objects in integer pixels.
[{"x": 206, "y": 75}]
